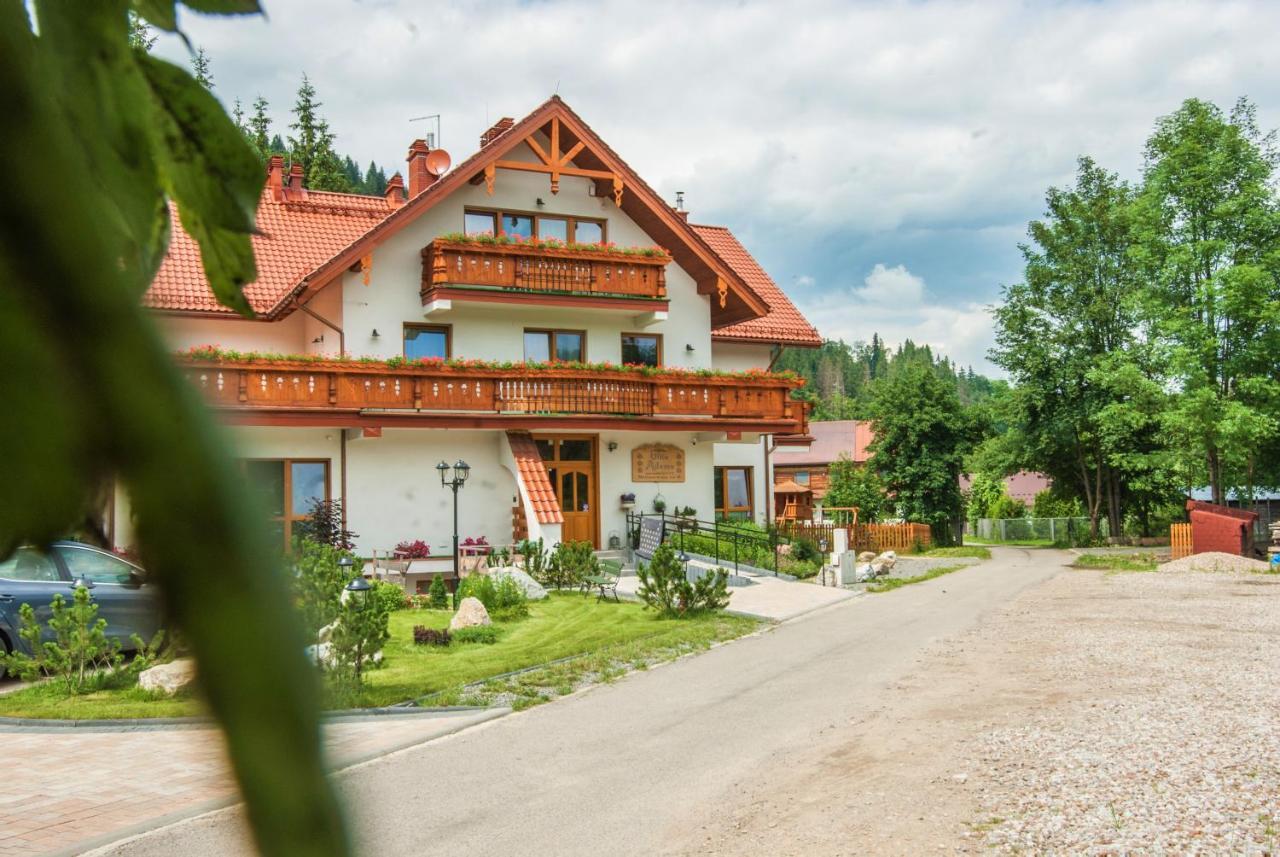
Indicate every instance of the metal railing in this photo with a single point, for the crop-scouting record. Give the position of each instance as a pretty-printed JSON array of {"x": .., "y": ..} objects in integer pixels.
[{"x": 729, "y": 542}]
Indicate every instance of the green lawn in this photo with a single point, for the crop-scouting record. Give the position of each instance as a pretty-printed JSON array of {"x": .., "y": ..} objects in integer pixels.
[
  {"x": 562, "y": 626},
  {"x": 1138, "y": 561},
  {"x": 963, "y": 551},
  {"x": 888, "y": 584}
]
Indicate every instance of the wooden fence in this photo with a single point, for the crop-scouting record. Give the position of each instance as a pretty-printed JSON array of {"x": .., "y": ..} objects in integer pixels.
[
  {"x": 1180, "y": 540},
  {"x": 864, "y": 537}
]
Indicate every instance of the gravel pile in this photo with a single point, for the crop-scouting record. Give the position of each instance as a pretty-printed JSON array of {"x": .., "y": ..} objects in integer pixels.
[
  {"x": 1214, "y": 562},
  {"x": 1170, "y": 743}
]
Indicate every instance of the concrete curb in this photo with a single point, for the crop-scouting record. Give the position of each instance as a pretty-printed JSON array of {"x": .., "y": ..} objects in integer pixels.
[{"x": 39, "y": 724}]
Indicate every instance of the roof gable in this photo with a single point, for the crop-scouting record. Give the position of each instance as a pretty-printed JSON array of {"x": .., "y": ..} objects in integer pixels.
[{"x": 574, "y": 150}]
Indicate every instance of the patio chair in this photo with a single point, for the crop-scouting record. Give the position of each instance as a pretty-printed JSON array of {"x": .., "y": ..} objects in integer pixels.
[{"x": 607, "y": 579}]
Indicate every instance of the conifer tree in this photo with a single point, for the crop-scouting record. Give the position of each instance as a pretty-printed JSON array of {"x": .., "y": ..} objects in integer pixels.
[{"x": 313, "y": 145}]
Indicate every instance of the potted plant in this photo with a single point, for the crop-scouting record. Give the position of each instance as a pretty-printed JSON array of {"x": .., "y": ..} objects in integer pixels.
[
  {"x": 659, "y": 505},
  {"x": 686, "y": 512},
  {"x": 628, "y": 501}
]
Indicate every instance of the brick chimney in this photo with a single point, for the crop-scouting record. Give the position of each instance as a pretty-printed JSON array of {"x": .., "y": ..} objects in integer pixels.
[
  {"x": 275, "y": 176},
  {"x": 295, "y": 192},
  {"x": 419, "y": 178},
  {"x": 503, "y": 125},
  {"x": 395, "y": 191}
]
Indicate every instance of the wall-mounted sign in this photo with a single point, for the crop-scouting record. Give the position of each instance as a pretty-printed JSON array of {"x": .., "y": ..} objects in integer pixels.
[{"x": 657, "y": 462}]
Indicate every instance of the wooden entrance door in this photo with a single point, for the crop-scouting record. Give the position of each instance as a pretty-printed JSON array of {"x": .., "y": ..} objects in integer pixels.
[{"x": 571, "y": 465}]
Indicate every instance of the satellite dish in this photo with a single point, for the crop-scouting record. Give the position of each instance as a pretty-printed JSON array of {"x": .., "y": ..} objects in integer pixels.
[{"x": 438, "y": 162}]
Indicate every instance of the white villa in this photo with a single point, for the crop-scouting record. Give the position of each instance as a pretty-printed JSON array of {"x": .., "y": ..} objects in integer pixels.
[{"x": 537, "y": 311}]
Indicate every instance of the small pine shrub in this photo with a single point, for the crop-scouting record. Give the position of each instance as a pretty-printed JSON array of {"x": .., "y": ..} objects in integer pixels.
[
  {"x": 804, "y": 550},
  {"x": 438, "y": 593},
  {"x": 665, "y": 586}
]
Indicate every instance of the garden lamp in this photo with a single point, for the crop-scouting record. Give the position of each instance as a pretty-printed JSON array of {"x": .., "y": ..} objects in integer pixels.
[
  {"x": 359, "y": 589},
  {"x": 461, "y": 470}
]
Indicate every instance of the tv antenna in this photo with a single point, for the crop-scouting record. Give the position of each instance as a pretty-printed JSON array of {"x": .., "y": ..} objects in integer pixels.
[{"x": 433, "y": 137}]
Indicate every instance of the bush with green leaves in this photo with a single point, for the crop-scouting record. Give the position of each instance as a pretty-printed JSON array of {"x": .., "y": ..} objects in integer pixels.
[
  {"x": 502, "y": 597},
  {"x": 536, "y": 557},
  {"x": 805, "y": 550},
  {"x": 665, "y": 586},
  {"x": 361, "y": 632},
  {"x": 484, "y": 634},
  {"x": 438, "y": 593},
  {"x": 324, "y": 524},
  {"x": 390, "y": 594}
]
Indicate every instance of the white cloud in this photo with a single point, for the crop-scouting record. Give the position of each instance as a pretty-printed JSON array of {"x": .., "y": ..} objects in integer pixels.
[
  {"x": 890, "y": 286},
  {"x": 895, "y": 304}
]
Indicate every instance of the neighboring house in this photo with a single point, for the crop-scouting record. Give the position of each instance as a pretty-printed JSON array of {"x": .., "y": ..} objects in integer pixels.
[
  {"x": 504, "y": 353},
  {"x": 1023, "y": 485},
  {"x": 810, "y": 468}
]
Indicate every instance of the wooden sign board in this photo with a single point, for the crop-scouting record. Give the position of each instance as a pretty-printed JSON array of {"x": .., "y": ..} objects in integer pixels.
[{"x": 657, "y": 462}]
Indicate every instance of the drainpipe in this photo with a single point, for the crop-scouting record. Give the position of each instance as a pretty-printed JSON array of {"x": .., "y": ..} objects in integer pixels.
[
  {"x": 342, "y": 474},
  {"x": 768, "y": 476},
  {"x": 342, "y": 345}
]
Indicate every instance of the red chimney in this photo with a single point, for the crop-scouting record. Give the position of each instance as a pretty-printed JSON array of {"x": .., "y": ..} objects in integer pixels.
[
  {"x": 419, "y": 178},
  {"x": 275, "y": 176},
  {"x": 500, "y": 127},
  {"x": 395, "y": 191},
  {"x": 296, "y": 192}
]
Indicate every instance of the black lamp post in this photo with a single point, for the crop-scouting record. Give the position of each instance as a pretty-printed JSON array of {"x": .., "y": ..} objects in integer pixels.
[
  {"x": 359, "y": 589},
  {"x": 461, "y": 470}
]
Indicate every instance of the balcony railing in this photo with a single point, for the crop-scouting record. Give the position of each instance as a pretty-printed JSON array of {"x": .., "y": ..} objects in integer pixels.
[
  {"x": 514, "y": 268},
  {"x": 750, "y": 402}
]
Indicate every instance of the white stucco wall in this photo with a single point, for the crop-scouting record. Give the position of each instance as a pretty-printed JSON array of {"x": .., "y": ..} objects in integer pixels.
[
  {"x": 740, "y": 356},
  {"x": 288, "y": 336}
]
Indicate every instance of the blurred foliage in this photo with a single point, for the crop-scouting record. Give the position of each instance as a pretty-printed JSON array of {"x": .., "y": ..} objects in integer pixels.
[{"x": 107, "y": 135}]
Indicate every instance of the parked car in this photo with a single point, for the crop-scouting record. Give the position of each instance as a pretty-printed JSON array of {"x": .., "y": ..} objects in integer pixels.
[{"x": 119, "y": 587}]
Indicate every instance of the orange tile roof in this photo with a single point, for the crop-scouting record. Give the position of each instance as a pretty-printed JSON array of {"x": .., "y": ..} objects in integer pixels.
[
  {"x": 783, "y": 323},
  {"x": 533, "y": 478},
  {"x": 294, "y": 238}
]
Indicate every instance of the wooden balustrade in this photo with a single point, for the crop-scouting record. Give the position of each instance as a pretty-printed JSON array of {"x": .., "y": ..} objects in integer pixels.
[
  {"x": 521, "y": 268},
  {"x": 752, "y": 402}
]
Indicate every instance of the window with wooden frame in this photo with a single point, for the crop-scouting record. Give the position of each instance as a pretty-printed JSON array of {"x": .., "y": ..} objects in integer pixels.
[
  {"x": 801, "y": 477},
  {"x": 531, "y": 224},
  {"x": 642, "y": 349},
  {"x": 287, "y": 488},
  {"x": 733, "y": 493},
  {"x": 428, "y": 341},
  {"x": 555, "y": 346}
]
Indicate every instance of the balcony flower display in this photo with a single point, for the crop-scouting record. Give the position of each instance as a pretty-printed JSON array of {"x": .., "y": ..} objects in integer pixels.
[{"x": 488, "y": 239}]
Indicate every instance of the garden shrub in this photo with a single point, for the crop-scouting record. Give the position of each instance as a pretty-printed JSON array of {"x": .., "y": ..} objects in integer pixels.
[
  {"x": 323, "y": 525},
  {"x": 438, "y": 593},
  {"x": 536, "y": 558},
  {"x": 502, "y": 598},
  {"x": 665, "y": 587},
  {"x": 485, "y": 634},
  {"x": 390, "y": 594},
  {"x": 571, "y": 563},
  {"x": 361, "y": 633},
  {"x": 424, "y": 636},
  {"x": 805, "y": 550},
  {"x": 318, "y": 582},
  {"x": 78, "y": 649},
  {"x": 416, "y": 549}
]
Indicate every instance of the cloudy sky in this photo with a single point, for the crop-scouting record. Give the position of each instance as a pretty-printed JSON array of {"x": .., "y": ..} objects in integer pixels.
[{"x": 881, "y": 160}]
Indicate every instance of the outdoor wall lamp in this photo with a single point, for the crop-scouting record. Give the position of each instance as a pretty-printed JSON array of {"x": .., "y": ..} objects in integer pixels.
[
  {"x": 688, "y": 347},
  {"x": 540, "y": 202},
  {"x": 613, "y": 446},
  {"x": 375, "y": 334}
]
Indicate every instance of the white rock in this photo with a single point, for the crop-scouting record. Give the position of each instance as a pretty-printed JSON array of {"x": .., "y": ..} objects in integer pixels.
[
  {"x": 866, "y": 556},
  {"x": 887, "y": 559},
  {"x": 470, "y": 613},
  {"x": 326, "y": 633},
  {"x": 533, "y": 590},
  {"x": 168, "y": 678}
]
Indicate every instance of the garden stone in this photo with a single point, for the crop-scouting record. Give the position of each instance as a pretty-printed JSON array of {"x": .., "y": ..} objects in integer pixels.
[
  {"x": 866, "y": 556},
  {"x": 470, "y": 613},
  {"x": 326, "y": 632},
  {"x": 322, "y": 655},
  {"x": 532, "y": 589},
  {"x": 886, "y": 560},
  {"x": 168, "y": 678}
]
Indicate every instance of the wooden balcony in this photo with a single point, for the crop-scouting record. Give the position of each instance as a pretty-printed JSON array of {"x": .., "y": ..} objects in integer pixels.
[
  {"x": 352, "y": 393},
  {"x": 467, "y": 271}
]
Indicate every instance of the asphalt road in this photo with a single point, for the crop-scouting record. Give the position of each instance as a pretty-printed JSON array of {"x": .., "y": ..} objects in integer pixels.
[{"x": 633, "y": 767}]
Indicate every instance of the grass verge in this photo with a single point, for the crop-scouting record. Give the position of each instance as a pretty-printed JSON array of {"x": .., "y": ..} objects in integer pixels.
[
  {"x": 1139, "y": 561},
  {"x": 961, "y": 551},
  {"x": 561, "y": 626},
  {"x": 888, "y": 584}
]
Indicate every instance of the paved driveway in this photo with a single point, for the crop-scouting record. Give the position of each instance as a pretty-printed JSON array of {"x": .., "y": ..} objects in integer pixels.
[{"x": 617, "y": 769}]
